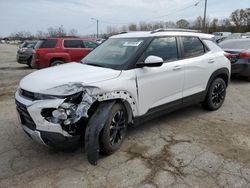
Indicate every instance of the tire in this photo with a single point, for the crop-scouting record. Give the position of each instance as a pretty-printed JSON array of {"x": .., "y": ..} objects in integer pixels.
[
  {"x": 216, "y": 95},
  {"x": 29, "y": 63},
  {"x": 114, "y": 131},
  {"x": 56, "y": 63}
]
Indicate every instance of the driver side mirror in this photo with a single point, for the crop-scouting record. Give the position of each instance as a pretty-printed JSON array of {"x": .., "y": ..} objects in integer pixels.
[{"x": 151, "y": 61}]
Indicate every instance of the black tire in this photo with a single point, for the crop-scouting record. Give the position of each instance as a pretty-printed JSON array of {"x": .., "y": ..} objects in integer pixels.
[
  {"x": 56, "y": 63},
  {"x": 114, "y": 131},
  {"x": 216, "y": 95},
  {"x": 29, "y": 63}
]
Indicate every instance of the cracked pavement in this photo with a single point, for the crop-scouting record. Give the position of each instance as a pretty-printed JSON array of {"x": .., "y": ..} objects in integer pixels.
[{"x": 187, "y": 148}]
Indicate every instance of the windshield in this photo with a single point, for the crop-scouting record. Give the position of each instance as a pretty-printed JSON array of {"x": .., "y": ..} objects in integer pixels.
[
  {"x": 28, "y": 45},
  {"x": 235, "y": 44},
  {"x": 114, "y": 53}
]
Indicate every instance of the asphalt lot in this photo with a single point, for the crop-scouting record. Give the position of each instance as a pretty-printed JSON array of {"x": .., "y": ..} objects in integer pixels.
[{"x": 187, "y": 148}]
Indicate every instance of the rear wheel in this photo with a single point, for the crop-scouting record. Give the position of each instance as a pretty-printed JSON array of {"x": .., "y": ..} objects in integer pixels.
[
  {"x": 114, "y": 130},
  {"x": 56, "y": 63},
  {"x": 216, "y": 95}
]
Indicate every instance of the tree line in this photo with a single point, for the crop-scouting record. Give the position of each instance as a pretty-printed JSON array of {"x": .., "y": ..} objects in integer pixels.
[{"x": 238, "y": 21}]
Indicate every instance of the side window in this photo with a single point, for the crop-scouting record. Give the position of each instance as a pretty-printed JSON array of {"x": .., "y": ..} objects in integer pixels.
[
  {"x": 192, "y": 47},
  {"x": 51, "y": 43},
  {"x": 164, "y": 47},
  {"x": 89, "y": 44},
  {"x": 72, "y": 44}
]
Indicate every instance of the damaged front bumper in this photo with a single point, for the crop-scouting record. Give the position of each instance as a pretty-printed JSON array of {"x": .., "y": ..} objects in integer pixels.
[{"x": 49, "y": 131}]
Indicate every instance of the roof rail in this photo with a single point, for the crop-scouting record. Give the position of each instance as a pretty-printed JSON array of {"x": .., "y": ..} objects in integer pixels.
[{"x": 174, "y": 29}]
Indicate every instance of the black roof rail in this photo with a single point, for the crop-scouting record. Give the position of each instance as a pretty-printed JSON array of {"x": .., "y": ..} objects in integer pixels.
[{"x": 174, "y": 29}]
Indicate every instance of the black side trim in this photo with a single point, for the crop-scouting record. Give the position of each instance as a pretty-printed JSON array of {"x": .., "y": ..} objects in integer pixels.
[{"x": 170, "y": 107}]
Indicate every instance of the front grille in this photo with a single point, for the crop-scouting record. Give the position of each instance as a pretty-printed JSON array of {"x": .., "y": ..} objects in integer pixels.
[
  {"x": 27, "y": 94},
  {"x": 25, "y": 116}
]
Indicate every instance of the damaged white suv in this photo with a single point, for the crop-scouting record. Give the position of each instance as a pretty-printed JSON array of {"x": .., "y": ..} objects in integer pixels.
[{"x": 126, "y": 80}]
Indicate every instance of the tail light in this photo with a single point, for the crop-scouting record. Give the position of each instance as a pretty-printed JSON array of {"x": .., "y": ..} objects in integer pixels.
[
  {"x": 40, "y": 51},
  {"x": 229, "y": 56},
  {"x": 244, "y": 55}
]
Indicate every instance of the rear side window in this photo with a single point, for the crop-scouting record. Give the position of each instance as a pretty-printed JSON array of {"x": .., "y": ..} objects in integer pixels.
[
  {"x": 192, "y": 47},
  {"x": 164, "y": 47},
  {"x": 73, "y": 44},
  {"x": 89, "y": 44},
  {"x": 51, "y": 43}
]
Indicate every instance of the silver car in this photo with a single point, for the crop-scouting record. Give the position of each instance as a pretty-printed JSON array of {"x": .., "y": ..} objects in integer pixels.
[{"x": 25, "y": 52}]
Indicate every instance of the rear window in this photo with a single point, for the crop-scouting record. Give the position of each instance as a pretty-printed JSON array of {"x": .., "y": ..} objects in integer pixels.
[
  {"x": 73, "y": 44},
  {"x": 235, "y": 44},
  {"x": 192, "y": 47},
  {"x": 51, "y": 43}
]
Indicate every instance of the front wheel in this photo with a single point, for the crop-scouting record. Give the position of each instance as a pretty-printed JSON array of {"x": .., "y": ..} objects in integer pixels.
[
  {"x": 114, "y": 130},
  {"x": 216, "y": 95}
]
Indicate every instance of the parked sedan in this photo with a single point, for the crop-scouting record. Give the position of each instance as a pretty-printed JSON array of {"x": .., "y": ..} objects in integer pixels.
[
  {"x": 25, "y": 52},
  {"x": 239, "y": 54}
]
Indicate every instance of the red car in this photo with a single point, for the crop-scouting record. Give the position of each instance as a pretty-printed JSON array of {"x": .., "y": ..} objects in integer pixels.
[{"x": 56, "y": 51}]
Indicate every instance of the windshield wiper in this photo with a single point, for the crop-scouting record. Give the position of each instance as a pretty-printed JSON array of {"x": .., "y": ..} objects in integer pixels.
[{"x": 93, "y": 64}]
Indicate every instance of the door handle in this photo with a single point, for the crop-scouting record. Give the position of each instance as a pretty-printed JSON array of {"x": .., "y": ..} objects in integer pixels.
[
  {"x": 211, "y": 61},
  {"x": 177, "y": 67}
]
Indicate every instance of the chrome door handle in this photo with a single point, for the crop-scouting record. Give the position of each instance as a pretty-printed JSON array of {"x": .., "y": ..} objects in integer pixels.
[
  {"x": 177, "y": 67},
  {"x": 211, "y": 61}
]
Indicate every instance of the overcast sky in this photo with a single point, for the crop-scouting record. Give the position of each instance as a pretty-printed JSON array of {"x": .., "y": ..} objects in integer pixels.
[{"x": 33, "y": 15}]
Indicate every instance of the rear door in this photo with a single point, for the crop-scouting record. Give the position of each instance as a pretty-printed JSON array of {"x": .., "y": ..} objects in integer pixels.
[
  {"x": 160, "y": 85},
  {"x": 75, "y": 48},
  {"x": 199, "y": 64}
]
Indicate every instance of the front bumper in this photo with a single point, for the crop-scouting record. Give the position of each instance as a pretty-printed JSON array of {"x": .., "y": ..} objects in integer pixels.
[
  {"x": 22, "y": 59},
  {"x": 39, "y": 129}
]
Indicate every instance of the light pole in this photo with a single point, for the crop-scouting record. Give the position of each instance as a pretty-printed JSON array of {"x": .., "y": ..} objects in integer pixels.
[
  {"x": 204, "y": 18},
  {"x": 97, "y": 27}
]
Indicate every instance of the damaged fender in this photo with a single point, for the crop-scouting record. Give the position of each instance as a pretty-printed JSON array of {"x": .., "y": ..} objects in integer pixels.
[{"x": 94, "y": 127}]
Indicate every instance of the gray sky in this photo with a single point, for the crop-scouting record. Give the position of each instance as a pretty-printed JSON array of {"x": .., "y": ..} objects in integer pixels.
[{"x": 33, "y": 15}]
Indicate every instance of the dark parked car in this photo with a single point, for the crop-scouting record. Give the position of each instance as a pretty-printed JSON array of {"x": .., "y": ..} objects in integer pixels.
[
  {"x": 56, "y": 51},
  {"x": 239, "y": 54},
  {"x": 25, "y": 52}
]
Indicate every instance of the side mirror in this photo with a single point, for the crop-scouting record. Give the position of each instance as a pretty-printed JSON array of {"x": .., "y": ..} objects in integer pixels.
[{"x": 151, "y": 61}]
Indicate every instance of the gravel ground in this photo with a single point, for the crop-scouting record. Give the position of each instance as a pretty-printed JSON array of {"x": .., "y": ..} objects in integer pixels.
[{"x": 187, "y": 148}]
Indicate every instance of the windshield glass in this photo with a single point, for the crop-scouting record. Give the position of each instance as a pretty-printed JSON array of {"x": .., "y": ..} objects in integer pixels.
[
  {"x": 235, "y": 44},
  {"x": 114, "y": 52}
]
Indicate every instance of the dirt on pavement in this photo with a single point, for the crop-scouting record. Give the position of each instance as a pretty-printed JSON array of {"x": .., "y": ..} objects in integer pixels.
[{"x": 187, "y": 148}]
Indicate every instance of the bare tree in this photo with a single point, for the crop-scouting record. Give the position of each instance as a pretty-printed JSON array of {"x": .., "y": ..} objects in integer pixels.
[
  {"x": 182, "y": 23},
  {"x": 132, "y": 27},
  {"x": 56, "y": 31},
  {"x": 198, "y": 23},
  {"x": 72, "y": 32}
]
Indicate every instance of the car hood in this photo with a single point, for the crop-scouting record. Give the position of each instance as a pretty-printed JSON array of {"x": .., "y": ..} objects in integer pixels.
[{"x": 43, "y": 80}]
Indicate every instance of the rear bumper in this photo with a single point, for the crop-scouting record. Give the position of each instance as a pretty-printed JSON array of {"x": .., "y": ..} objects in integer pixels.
[{"x": 241, "y": 69}]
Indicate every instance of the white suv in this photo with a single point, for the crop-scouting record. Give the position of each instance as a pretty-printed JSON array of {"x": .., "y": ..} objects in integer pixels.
[{"x": 126, "y": 80}]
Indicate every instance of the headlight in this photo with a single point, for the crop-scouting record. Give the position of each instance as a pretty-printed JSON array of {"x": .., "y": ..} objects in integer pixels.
[
  {"x": 65, "y": 90},
  {"x": 60, "y": 114}
]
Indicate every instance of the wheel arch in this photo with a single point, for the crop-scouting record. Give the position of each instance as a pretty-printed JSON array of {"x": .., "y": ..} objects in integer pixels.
[
  {"x": 220, "y": 73},
  {"x": 56, "y": 58}
]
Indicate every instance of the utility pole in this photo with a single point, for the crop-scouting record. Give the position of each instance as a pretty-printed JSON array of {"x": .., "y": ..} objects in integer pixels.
[
  {"x": 97, "y": 27},
  {"x": 204, "y": 18}
]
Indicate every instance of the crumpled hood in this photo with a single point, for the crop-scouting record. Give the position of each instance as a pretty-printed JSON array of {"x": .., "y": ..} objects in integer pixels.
[{"x": 42, "y": 80}]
